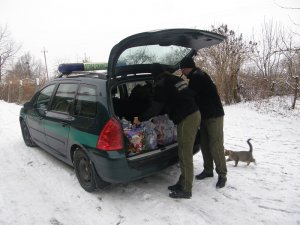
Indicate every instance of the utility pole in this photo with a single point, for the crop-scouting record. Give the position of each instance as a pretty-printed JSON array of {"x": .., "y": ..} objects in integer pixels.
[{"x": 44, "y": 52}]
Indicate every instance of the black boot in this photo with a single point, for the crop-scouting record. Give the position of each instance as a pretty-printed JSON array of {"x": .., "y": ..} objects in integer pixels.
[
  {"x": 221, "y": 182},
  {"x": 203, "y": 175},
  {"x": 180, "y": 194},
  {"x": 174, "y": 187}
]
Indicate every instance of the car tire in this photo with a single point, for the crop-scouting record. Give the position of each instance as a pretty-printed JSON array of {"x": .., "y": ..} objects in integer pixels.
[
  {"x": 26, "y": 135},
  {"x": 85, "y": 171}
]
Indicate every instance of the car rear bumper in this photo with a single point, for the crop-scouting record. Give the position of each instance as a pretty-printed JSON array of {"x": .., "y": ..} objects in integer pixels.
[{"x": 121, "y": 169}]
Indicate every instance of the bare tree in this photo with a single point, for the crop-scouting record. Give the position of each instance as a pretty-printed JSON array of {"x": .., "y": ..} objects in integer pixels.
[
  {"x": 8, "y": 48},
  {"x": 225, "y": 61},
  {"x": 265, "y": 55},
  {"x": 137, "y": 56},
  {"x": 27, "y": 68},
  {"x": 291, "y": 63},
  {"x": 23, "y": 79}
]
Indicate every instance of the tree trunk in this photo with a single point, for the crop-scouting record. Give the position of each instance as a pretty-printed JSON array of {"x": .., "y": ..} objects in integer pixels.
[
  {"x": 295, "y": 92},
  {"x": 0, "y": 68}
]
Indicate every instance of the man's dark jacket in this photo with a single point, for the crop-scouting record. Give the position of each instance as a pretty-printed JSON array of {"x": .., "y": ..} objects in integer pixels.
[
  {"x": 173, "y": 96},
  {"x": 207, "y": 97}
]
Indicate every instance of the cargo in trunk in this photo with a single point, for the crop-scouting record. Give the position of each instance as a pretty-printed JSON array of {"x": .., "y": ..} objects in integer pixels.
[{"x": 130, "y": 100}]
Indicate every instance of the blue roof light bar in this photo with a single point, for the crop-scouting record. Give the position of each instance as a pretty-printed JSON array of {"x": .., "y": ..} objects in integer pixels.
[{"x": 68, "y": 68}]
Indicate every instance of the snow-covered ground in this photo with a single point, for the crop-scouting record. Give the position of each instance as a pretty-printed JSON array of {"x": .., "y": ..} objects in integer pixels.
[{"x": 37, "y": 189}]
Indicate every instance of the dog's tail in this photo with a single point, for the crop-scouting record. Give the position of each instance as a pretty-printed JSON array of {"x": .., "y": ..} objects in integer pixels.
[{"x": 250, "y": 145}]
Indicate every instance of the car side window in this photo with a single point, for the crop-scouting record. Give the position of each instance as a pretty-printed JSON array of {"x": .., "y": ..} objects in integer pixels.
[
  {"x": 86, "y": 101},
  {"x": 64, "y": 98},
  {"x": 44, "y": 97}
]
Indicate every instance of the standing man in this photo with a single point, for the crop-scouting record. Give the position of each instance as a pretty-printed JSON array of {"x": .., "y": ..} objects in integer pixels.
[
  {"x": 211, "y": 128},
  {"x": 177, "y": 100}
]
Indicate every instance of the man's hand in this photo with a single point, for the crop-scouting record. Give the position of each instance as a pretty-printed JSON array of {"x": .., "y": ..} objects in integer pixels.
[{"x": 136, "y": 121}]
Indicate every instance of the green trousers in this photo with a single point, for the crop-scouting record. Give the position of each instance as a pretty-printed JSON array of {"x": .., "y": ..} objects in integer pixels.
[
  {"x": 186, "y": 134},
  {"x": 212, "y": 145}
]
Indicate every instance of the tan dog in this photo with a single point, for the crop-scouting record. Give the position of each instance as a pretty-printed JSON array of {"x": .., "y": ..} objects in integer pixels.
[{"x": 244, "y": 156}]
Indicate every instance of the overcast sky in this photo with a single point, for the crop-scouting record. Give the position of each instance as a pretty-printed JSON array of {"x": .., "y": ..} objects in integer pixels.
[{"x": 73, "y": 29}]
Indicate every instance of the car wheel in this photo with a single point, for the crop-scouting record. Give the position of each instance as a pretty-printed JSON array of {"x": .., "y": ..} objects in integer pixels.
[
  {"x": 26, "y": 135},
  {"x": 85, "y": 171}
]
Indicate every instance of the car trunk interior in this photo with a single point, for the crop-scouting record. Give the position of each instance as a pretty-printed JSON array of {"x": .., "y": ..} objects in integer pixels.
[{"x": 131, "y": 99}]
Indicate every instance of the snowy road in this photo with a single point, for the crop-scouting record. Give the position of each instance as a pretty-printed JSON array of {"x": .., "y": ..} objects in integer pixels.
[{"x": 37, "y": 189}]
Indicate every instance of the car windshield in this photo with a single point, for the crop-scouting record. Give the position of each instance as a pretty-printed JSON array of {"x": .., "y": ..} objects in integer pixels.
[{"x": 168, "y": 55}]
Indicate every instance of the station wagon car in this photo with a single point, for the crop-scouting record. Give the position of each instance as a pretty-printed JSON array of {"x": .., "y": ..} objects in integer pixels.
[{"x": 79, "y": 116}]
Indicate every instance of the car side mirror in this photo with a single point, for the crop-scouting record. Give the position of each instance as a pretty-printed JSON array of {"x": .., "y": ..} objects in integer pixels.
[
  {"x": 42, "y": 110},
  {"x": 27, "y": 104}
]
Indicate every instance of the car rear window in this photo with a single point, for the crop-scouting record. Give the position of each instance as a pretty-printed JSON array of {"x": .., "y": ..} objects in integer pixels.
[
  {"x": 86, "y": 101},
  {"x": 168, "y": 55}
]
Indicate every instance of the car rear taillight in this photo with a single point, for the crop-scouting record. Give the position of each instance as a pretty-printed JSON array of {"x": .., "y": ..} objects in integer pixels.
[{"x": 111, "y": 137}]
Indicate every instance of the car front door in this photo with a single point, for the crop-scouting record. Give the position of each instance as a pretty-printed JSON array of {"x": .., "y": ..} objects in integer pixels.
[
  {"x": 36, "y": 115},
  {"x": 57, "y": 118}
]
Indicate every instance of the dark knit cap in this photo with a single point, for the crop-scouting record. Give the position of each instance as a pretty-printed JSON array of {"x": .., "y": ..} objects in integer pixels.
[
  {"x": 156, "y": 69},
  {"x": 187, "y": 63}
]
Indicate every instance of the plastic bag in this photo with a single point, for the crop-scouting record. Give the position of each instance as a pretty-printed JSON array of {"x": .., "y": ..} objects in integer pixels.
[
  {"x": 136, "y": 138},
  {"x": 165, "y": 129},
  {"x": 150, "y": 135},
  {"x": 160, "y": 130}
]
